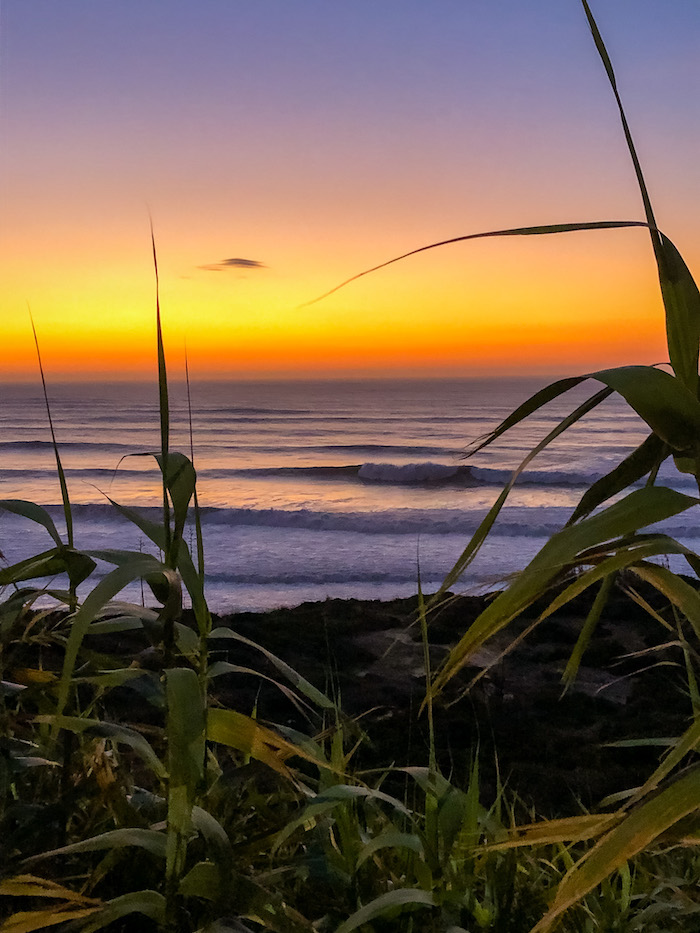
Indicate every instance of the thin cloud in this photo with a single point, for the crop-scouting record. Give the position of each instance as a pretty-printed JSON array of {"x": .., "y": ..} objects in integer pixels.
[{"x": 234, "y": 263}]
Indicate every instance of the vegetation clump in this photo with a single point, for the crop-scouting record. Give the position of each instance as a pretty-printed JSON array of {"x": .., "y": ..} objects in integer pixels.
[{"x": 134, "y": 795}]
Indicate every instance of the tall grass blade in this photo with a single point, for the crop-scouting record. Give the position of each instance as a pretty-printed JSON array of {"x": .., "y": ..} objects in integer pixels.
[
  {"x": 147, "y": 903},
  {"x": 630, "y": 837},
  {"x": 586, "y": 633},
  {"x": 34, "y": 513},
  {"x": 59, "y": 466},
  {"x": 164, "y": 406},
  {"x": 542, "y": 230},
  {"x": 484, "y": 528},
  {"x": 142, "y": 566},
  {"x": 679, "y": 292},
  {"x": 27, "y": 921},
  {"x": 645, "y": 459},
  {"x": 386, "y": 905},
  {"x": 647, "y": 506},
  {"x": 186, "y": 731}
]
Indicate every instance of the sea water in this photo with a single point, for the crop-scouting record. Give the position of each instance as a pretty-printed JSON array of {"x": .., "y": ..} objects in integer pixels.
[{"x": 314, "y": 489}]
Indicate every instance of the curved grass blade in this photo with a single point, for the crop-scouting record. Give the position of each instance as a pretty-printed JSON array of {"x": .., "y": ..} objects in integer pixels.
[
  {"x": 59, "y": 466},
  {"x": 481, "y": 533},
  {"x": 229, "y": 727},
  {"x": 34, "y": 513},
  {"x": 294, "y": 677},
  {"x": 387, "y": 905},
  {"x": 163, "y": 405},
  {"x": 149, "y": 839},
  {"x": 641, "y": 507},
  {"x": 541, "y": 230},
  {"x": 678, "y": 289},
  {"x": 149, "y": 903},
  {"x": 141, "y": 567},
  {"x": 663, "y": 401},
  {"x": 116, "y": 733},
  {"x": 27, "y": 921},
  {"x": 682, "y": 594},
  {"x": 645, "y": 459},
  {"x": 57, "y": 560},
  {"x": 631, "y": 836}
]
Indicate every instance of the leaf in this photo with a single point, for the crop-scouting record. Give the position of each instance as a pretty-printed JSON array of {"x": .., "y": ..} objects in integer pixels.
[
  {"x": 186, "y": 728},
  {"x": 26, "y": 921},
  {"x": 32, "y": 886},
  {"x": 245, "y": 734},
  {"x": 301, "y": 684},
  {"x": 387, "y": 904},
  {"x": 668, "y": 407},
  {"x": 57, "y": 560},
  {"x": 148, "y": 839},
  {"x": 108, "y": 587},
  {"x": 202, "y": 880},
  {"x": 484, "y": 528},
  {"x": 641, "y": 507},
  {"x": 544, "y": 229},
  {"x": 551, "y": 832},
  {"x": 34, "y": 513},
  {"x": 333, "y": 797},
  {"x": 645, "y": 458},
  {"x": 682, "y": 304},
  {"x": 113, "y": 731},
  {"x": 631, "y": 836},
  {"x": 390, "y": 840},
  {"x": 149, "y": 903},
  {"x": 678, "y": 290},
  {"x": 180, "y": 479},
  {"x": 676, "y": 589}
]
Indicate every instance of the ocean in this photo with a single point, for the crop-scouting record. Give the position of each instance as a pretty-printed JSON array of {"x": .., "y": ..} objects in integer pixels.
[{"x": 314, "y": 489}]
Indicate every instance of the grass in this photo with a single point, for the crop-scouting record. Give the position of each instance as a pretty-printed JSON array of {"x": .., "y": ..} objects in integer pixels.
[{"x": 133, "y": 797}]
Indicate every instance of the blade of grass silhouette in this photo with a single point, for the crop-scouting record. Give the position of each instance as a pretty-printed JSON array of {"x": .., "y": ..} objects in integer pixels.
[
  {"x": 59, "y": 466},
  {"x": 164, "y": 407},
  {"x": 680, "y": 294},
  {"x": 542, "y": 230}
]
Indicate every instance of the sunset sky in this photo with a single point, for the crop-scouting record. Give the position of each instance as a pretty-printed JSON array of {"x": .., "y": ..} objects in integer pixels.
[{"x": 283, "y": 145}]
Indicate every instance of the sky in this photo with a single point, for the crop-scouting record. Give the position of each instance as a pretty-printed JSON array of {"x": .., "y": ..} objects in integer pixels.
[{"x": 281, "y": 146}]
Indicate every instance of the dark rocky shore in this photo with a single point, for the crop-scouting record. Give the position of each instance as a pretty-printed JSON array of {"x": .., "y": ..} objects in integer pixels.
[{"x": 552, "y": 750}]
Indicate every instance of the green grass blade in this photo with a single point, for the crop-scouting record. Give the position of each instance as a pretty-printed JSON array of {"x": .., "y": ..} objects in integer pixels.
[
  {"x": 630, "y": 837},
  {"x": 108, "y": 587},
  {"x": 117, "y": 733},
  {"x": 34, "y": 513},
  {"x": 541, "y": 230},
  {"x": 59, "y": 466},
  {"x": 682, "y": 304},
  {"x": 148, "y": 903},
  {"x": 386, "y": 905},
  {"x": 641, "y": 507},
  {"x": 679, "y": 292},
  {"x": 645, "y": 459},
  {"x": 527, "y": 408},
  {"x": 163, "y": 405},
  {"x": 480, "y": 535},
  {"x": 149, "y": 839},
  {"x": 186, "y": 731},
  {"x": 586, "y": 633},
  {"x": 664, "y": 402},
  {"x": 78, "y": 566},
  {"x": 682, "y": 594},
  {"x": 687, "y": 743},
  {"x": 294, "y": 677}
]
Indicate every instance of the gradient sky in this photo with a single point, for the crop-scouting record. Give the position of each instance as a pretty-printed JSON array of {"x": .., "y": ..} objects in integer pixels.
[{"x": 283, "y": 145}]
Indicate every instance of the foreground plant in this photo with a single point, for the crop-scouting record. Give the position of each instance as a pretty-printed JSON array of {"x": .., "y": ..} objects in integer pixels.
[{"x": 602, "y": 543}]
